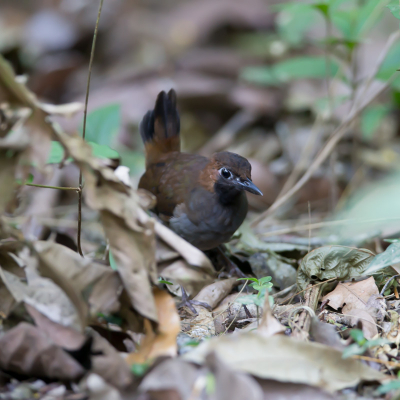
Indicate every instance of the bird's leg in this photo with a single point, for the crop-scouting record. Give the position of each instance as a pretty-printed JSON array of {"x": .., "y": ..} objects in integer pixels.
[
  {"x": 231, "y": 268},
  {"x": 186, "y": 302}
]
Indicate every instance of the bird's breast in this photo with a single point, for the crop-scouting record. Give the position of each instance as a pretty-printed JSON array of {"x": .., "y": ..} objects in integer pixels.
[{"x": 206, "y": 223}]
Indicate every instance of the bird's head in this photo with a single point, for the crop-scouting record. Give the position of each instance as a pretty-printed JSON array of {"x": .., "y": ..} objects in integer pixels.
[{"x": 228, "y": 173}]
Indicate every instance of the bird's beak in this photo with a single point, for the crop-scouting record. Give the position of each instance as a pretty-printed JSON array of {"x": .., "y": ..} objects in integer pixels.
[{"x": 250, "y": 187}]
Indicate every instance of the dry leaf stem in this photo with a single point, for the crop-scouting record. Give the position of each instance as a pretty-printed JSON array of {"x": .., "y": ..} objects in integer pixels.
[{"x": 84, "y": 127}]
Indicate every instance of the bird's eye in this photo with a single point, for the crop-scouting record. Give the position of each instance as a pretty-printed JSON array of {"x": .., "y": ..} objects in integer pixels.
[{"x": 225, "y": 173}]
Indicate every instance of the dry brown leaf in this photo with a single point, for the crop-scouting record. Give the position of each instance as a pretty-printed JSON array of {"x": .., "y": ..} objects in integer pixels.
[
  {"x": 269, "y": 325},
  {"x": 100, "y": 285},
  {"x": 368, "y": 322},
  {"x": 44, "y": 295},
  {"x": 163, "y": 341},
  {"x": 181, "y": 273},
  {"x": 61, "y": 335},
  {"x": 214, "y": 293},
  {"x": 26, "y": 350},
  {"x": 129, "y": 229},
  {"x": 352, "y": 295},
  {"x": 287, "y": 360}
]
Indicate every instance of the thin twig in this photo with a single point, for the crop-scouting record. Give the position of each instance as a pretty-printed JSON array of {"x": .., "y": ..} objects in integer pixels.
[
  {"x": 377, "y": 360},
  {"x": 77, "y": 189},
  {"x": 84, "y": 127},
  {"x": 337, "y": 135},
  {"x": 301, "y": 291},
  {"x": 317, "y": 225}
]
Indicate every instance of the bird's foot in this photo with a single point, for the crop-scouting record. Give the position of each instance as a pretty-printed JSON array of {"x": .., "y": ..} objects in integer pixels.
[{"x": 186, "y": 302}]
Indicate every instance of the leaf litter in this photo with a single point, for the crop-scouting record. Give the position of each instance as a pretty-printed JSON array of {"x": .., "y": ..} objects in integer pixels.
[{"x": 109, "y": 325}]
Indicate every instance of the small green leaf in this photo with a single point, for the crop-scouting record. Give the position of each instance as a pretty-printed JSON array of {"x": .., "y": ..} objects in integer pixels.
[
  {"x": 164, "y": 281},
  {"x": 56, "y": 153},
  {"x": 113, "y": 264},
  {"x": 103, "y": 124},
  {"x": 388, "y": 387},
  {"x": 29, "y": 179},
  {"x": 358, "y": 336},
  {"x": 139, "y": 369},
  {"x": 265, "y": 279},
  {"x": 248, "y": 279},
  {"x": 292, "y": 69},
  {"x": 371, "y": 120}
]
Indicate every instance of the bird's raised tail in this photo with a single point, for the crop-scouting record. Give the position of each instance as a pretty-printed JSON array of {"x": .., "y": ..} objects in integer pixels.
[{"x": 160, "y": 127}]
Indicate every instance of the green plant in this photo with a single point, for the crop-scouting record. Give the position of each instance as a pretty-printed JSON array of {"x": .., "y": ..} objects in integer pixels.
[
  {"x": 390, "y": 386},
  {"x": 261, "y": 285},
  {"x": 362, "y": 344}
]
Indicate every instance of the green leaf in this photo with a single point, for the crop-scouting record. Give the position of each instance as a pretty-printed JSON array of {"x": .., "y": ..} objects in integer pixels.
[
  {"x": 352, "y": 350},
  {"x": 358, "y": 336},
  {"x": 394, "y": 8},
  {"x": 288, "y": 70},
  {"x": 371, "y": 120},
  {"x": 391, "y": 240},
  {"x": 265, "y": 279},
  {"x": 140, "y": 369},
  {"x": 328, "y": 262},
  {"x": 294, "y": 20},
  {"x": 103, "y": 124},
  {"x": 164, "y": 281},
  {"x": 248, "y": 279},
  {"x": 390, "y": 256},
  {"x": 388, "y": 387},
  {"x": 391, "y": 63},
  {"x": 113, "y": 264},
  {"x": 57, "y": 152},
  {"x": 29, "y": 179},
  {"x": 103, "y": 151}
]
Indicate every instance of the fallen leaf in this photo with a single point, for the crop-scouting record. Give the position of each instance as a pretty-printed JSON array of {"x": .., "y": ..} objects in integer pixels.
[
  {"x": 352, "y": 295},
  {"x": 269, "y": 325},
  {"x": 214, "y": 293},
  {"x": 28, "y": 351},
  {"x": 161, "y": 342},
  {"x": 287, "y": 360},
  {"x": 329, "y": 262},
  {"x": 129, "y": 229},
  {"x": 231, "y": 384},
  {"x": 99, "y": 285},
  {"x": 325, "y": 333}
]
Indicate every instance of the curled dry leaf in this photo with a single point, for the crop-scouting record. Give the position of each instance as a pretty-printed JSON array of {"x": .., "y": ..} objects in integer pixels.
[
  {"x": 129, "y": 229},
  {"x": 161, "y": 342},
  {"x": 214, "y": 293},
  {"x": 287, "y": 360},
  {"x": 26, "y": 350},
  {"x": 269, "y": 325},
  {"x": 329, "y": 262}
]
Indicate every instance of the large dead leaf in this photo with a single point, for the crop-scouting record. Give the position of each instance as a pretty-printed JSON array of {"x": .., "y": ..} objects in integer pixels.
[
  {"x": 287, "y": 360},
  {"x": 101, "y": 286},
  {"x": 163, "y": 341},
  {"x": 27, "y": 350},
  {"x": 129, "y": 229},
  {"x": 328, "y": 262}
]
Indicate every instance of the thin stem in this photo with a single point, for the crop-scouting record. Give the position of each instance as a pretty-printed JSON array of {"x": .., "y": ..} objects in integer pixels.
[
  {"x": 84, "y": 127},
  {"x": 77, "y": 189},
  {"x": 328, "y": 24}
]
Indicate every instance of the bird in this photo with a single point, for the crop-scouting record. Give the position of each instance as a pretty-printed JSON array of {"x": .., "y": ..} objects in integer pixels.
[{"x": 201, "y": 199}]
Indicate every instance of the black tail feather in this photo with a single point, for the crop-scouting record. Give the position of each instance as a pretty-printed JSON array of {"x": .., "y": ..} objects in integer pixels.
[{"x": 163, "y": 122}]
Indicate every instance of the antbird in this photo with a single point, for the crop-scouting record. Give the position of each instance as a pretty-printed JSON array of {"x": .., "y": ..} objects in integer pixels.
[{"x": 201, "y": 198}]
